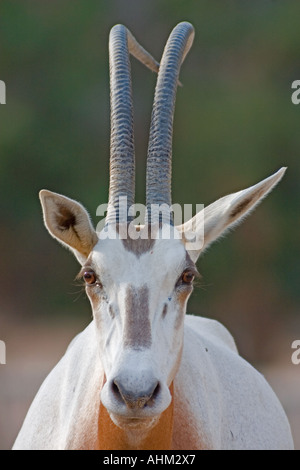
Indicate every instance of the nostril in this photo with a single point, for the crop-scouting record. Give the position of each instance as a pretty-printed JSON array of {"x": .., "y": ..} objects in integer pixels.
[
  {"x": 117, "y": 391},
  {"x": 156, "y": 391},
  {"x": 135, "y": 397},
  {"x": 154, "y": 395},
  {"x": 115, "y": 388}
]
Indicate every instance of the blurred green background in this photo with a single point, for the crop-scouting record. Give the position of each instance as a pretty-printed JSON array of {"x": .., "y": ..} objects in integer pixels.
[{"x": 235, "y": 124}]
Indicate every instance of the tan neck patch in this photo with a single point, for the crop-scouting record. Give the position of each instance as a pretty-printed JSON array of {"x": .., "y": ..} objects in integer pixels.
[{"x": 111, "y": 437}]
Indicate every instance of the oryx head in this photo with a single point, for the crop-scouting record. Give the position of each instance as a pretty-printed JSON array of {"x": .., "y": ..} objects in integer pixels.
[{"x": 139, "y": 278}]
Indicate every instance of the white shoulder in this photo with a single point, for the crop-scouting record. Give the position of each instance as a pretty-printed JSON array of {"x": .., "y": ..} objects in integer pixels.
[
  {"x": 235, "y": 406},
  {"x": 211, "y": 329},
  {"x": 46, "y": 421}
]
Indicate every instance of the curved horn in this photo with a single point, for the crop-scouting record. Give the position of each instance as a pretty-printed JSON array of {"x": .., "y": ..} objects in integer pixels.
[
  {"x": 122, "y": 169},
  {"x": 122, "y": 160},
  {"x": 159, "y": 159}
]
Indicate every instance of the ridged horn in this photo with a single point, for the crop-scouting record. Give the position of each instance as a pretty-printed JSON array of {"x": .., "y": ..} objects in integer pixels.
[
  {"x": 122, "y": 159},
  {"x": 159, "y": 158}
]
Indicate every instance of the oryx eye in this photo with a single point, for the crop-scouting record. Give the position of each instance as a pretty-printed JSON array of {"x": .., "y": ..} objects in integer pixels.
[
  {"x": 187, "y": 277},
  {"x": 89, "y": 277}
]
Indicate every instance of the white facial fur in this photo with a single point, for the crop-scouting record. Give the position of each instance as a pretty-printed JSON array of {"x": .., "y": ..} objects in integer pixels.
[
  {"x": 139, "y": 310},
  {"x": 137, "y": 302}
]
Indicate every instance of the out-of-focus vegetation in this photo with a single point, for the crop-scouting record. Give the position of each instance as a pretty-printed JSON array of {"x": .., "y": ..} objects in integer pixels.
[{"x": 234, "y": 125}]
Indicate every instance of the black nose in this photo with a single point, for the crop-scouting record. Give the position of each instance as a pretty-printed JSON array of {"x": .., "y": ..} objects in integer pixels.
[{"x": 132, "y": 395}]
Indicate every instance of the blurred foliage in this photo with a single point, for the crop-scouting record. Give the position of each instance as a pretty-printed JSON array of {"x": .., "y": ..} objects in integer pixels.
[{"x": 234, "y": 125}]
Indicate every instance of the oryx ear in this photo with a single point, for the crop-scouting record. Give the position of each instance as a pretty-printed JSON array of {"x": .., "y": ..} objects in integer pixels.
[
  {"x": 214, "y": 220},
  {"x": 68, "y": 222}
]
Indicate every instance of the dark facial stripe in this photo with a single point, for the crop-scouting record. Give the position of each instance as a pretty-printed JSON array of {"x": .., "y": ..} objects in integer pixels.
[
  {"x": 138, "y": 246},
  {"x": 140, "y": 243},
  {"x": 165, "y": 310},
  {"x": 137, "y": 329}
]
